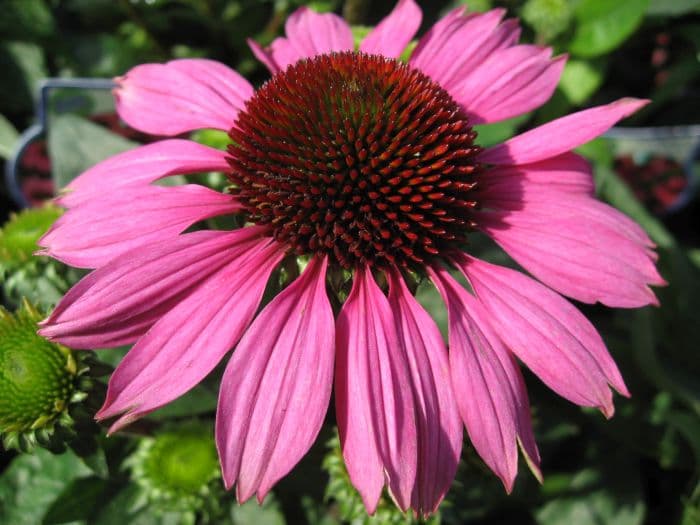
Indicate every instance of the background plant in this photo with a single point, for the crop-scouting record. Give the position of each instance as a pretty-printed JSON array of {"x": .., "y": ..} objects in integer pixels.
[{"x": 639, "y": 468}]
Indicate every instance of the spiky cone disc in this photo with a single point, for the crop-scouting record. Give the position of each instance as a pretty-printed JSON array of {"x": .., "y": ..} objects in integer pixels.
[
  {"x": 178, "y": 470},
  {"x": 359, "y": 157},
  {"x": 39, "y": 381}
]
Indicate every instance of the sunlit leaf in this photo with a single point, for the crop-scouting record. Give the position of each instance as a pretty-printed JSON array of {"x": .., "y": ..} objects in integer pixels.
[{"x": 603, "y": 25}]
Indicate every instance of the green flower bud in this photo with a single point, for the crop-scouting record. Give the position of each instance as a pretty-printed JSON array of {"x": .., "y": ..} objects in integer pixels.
[
  {"x": 39, "y": 380},
  {"x": 178, "y": 470},
  {"x": 19, "y": 236}
]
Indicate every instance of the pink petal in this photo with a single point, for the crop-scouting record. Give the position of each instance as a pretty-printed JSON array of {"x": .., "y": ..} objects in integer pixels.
[
  {"x": 456, "y": 45},
  {"x": 439, "y": 429},
  {"x": 547, "y": 333},
  {"x": 91, "y": 234},
  {"x": 125, "y": 297},
  {"x": 141, "y": 166},
  {"x": 181, "y": 96},
  {"x": 567, "y": 173},
  {"x": 510, "y": 82},
  {"x": 489, "y": 388},
  {"x": 539, "y": 201},
  {"x": 190, "y": 340},
  {"x": 267, "y": 57},
  {"x": 561, "y": 135},
  {"x": 374, "y": 399},
  {"x": 308, "y": 34},
  {"x": 276, "y": 388},
  {"x": 394, "y": 32},
  {"x": 577, "y": 255}
]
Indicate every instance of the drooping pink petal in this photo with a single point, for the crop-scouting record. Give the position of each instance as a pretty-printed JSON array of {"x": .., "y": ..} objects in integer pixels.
[
  {"x": 439, "y": 429},
  {"x": 308, "y": 34},
  {"x": 394, "y": 32},
  {"x": 181, "y": 96},
  {"x": 276, "y": 388},
  {"x": 510, "y": 82},
  {"x": 118, "y": 302},
  {"x": 457, "y": 44},
  {"x": 186, "y": 343},
  {"x": 91, "y": 234},
  {"x": 547, "y": 333},
  {"x": 561, "y": 135},
  {"x": 568, "y": 173},
  {"x": 374, "y": 399},
  {"x": 489, "y": 388},
  {"x": 141, "y": 166},
  {"x": 578, "y": 255}
]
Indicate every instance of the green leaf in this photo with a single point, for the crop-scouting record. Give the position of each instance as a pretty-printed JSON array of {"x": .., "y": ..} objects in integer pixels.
[
  {"x": 673, "y": 7},
  {"x": 580, "y": 80},
  {"x": 548, "y": 18},
  {"x": 25, "y": 19},
  {"x": 602, "y": 25},
  {"x": 595, "y": 497},
  {"x": 474, "y": 6},
  {"x": 490, "y": 134},
  {"x": 32, "y": 482},
  {"x": 199, "y": 400},
  {"x": 213, "y": 138},
  {"x": 76, "y": 144},
  {"x": 612, "y": 189},
  {"x": 22, "y": 67},
  {"x": 89, "y": 451},
  {"x": 8, "y": 138},
  {"x": 78, "y": 501},
  {"x": 251, "y": 512},
  {"x": 128, "y": 506}
]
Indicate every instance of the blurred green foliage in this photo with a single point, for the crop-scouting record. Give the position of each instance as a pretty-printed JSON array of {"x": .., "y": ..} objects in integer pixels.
[{"x": 640, "y": 468}]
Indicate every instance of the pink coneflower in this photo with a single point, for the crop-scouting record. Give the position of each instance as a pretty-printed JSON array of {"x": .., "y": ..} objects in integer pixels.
[{"x": 368, "y": 169}]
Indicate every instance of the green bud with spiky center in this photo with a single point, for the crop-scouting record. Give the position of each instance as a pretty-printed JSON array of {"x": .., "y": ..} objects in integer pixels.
[
  {"x": 178, "y": 470},
  {"x": 40, "y": 279},
  {"x": 39, "y": 380},
  {"x": 19, "y": 236}
]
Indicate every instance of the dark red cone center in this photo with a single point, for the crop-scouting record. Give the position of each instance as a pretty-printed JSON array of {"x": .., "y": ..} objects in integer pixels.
[{"x": 359, "y": 157}]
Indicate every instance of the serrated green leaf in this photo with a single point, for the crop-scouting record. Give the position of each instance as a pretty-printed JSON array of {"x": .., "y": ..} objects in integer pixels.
[
  {"x": 32, "y": 482},
  {"x": 602, "y": 25},
  {"x": 580, "y": 80}
]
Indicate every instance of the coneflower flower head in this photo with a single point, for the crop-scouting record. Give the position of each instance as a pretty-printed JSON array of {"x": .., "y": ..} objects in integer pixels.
[
  {"x": 358, "y": 157},
  {"x": 368, "y": 168}
]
